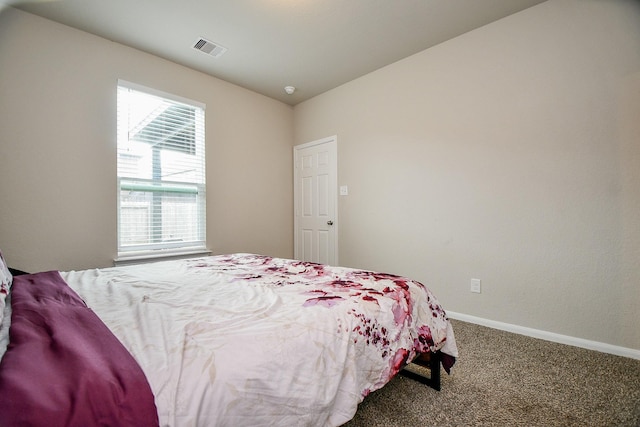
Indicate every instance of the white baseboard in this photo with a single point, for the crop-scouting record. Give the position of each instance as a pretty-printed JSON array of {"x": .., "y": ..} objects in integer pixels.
[{"x": 548, "y": 336}]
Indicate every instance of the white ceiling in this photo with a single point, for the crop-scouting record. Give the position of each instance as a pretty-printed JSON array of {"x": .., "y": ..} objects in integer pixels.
[{"x": 314, "y": 45}]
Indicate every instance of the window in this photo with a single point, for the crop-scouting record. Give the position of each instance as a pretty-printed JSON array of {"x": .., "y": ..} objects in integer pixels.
[{"x": 161, "y": 172}]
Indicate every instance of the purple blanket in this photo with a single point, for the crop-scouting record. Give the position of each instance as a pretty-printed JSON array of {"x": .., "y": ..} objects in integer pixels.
[{"x": 64, "y": 367}]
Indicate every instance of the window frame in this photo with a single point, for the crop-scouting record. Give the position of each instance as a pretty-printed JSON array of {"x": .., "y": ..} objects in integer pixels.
[{"x": 151, "y": 250}]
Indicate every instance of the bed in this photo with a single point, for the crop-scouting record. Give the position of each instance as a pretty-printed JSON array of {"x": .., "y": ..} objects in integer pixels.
[{"x": 228, "y": 340}]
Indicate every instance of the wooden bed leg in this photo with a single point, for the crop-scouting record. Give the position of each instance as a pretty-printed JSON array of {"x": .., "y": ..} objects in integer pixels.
[{"x": 431, "y": 361}]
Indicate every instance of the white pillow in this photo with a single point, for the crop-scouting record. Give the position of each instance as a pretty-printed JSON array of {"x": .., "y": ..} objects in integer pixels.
[{"x": 5, "y": 284}]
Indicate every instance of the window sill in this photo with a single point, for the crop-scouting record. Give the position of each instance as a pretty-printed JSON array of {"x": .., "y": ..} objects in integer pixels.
[{"x": 153, "y": 256}]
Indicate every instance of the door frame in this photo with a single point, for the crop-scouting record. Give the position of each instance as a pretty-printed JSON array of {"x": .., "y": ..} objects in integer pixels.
[{"x": 332, "y": 144}]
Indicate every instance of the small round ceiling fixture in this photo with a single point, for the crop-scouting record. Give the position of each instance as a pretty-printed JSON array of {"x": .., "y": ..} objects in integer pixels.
[{"x": 289, "y": 89}]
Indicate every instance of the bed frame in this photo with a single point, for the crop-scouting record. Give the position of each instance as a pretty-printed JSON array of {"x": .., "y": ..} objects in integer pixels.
[
  {"x": 432, "y": 362},
  {"x": 16, "y": 272}
]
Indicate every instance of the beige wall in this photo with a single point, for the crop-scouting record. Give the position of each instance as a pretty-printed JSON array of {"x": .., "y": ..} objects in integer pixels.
[
  {"x": 57, "y": 149},
  {"x": 510, "y": 154}
]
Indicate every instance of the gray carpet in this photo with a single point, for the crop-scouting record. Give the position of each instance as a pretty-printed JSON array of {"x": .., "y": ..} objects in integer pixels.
[{"x": 505, "y": 379}]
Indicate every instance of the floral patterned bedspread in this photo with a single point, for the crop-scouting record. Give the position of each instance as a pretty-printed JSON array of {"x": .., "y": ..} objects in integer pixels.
[{"x": 249, "y": 340}]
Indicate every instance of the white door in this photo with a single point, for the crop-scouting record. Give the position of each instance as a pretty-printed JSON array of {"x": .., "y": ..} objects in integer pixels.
[{"x": 315, "y": 201}]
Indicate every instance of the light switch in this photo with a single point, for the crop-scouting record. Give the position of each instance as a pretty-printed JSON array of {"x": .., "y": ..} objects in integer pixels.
[
  {"x": 476, "y": 286},
  {"x": 344, "y": 190}
]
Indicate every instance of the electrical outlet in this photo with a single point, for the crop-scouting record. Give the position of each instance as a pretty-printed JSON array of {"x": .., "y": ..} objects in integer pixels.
[{"x": 476, "y": 285}]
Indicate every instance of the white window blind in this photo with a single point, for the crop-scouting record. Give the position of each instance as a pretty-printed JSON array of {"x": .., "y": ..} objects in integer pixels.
[{"x": 161, "y": 171}]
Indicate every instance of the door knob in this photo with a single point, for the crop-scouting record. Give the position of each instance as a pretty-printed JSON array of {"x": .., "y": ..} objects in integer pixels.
[{"x": 329, "y": 222}]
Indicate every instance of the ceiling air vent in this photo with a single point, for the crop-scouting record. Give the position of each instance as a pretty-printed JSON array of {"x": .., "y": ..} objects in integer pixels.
[{"x": 209, "y": 48}]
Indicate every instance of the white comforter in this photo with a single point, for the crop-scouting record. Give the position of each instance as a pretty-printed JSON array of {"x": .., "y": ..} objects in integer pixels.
[{"x": 246, "y": 340}]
